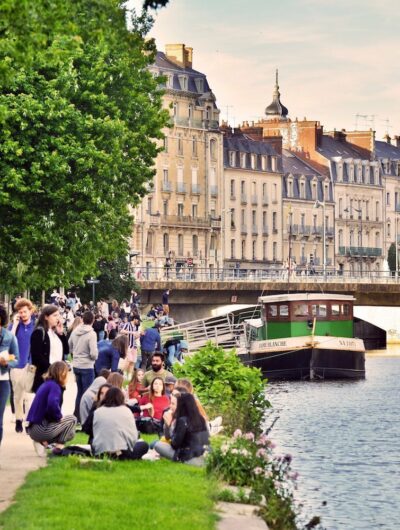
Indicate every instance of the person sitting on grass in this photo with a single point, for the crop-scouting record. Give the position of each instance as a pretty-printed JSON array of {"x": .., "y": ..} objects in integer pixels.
[
  {"x": 190, "y": 437},
  {"x": 89, "y": 397},
  {"x": 87, "y": 426},
  {"x": 47, "y": 425},
  {"x": 116, "y": 379},
  {"x": 135, "y": 388},
  {"x": 114, "y": 429},
  {"x": 156, "y": 401},
  {"x": 157, "y": 369}
]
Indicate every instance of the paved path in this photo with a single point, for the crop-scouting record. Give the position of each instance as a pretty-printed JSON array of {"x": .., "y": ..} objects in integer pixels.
[{"x": 17, "y": 455}]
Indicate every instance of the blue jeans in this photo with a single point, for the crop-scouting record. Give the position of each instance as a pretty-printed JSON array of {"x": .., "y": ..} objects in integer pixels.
[
  {"x": 4, "y": 393},
  {"x": 84, "y": 378},
  {"x": 101, "y": 335}
]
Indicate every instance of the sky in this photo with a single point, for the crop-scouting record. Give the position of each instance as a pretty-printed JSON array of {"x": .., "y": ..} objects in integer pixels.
[{"x": 336, "y": 58}]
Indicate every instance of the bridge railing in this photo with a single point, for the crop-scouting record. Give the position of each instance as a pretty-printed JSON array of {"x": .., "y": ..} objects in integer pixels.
[{"x": 186, "y": 274}]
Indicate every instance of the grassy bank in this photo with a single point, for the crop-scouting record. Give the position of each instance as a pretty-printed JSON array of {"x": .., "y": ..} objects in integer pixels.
[{"x": 103, "y": 494}]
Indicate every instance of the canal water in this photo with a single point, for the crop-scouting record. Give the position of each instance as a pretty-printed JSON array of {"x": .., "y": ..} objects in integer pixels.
[{"x": 345, "y": 440}]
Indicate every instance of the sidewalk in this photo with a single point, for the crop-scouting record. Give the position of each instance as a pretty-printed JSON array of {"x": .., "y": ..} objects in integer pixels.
[{"x": 17, "y": 455}]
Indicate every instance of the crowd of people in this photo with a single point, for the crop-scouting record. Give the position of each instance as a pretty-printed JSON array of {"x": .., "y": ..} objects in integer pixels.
[{"x": 124, "y": 380}]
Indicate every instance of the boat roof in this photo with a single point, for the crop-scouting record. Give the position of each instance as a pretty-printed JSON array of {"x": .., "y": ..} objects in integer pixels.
[{"x": 304, "y": 297}]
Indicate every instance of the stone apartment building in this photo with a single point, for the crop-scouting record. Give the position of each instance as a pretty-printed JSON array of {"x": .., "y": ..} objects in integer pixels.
[{"x": 178, "y": 222}]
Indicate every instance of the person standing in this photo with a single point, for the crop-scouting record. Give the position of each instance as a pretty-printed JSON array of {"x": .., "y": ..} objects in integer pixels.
[
  {"x": 165, "y": 302},
  {"x": 22, "y": 328},
  {"x": 150, "y": 340},
  {"x": 83, "y": 347},
  {"x": 48, "y": 343},
  {"x": 8, "y": 359}
]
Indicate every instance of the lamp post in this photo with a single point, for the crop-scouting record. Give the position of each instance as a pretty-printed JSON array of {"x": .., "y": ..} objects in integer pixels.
[
  {"x": 223, "y": 231},
  {"x": 317, "y": 204}
]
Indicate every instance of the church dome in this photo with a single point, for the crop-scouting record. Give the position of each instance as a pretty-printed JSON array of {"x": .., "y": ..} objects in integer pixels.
[{"x": 276, "y": 109}]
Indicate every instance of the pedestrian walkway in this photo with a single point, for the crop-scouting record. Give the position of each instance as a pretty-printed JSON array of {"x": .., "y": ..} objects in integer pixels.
[{"x": 17, "y": 455}]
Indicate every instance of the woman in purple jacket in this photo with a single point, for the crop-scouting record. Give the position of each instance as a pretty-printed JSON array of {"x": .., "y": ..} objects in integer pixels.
[{"x": 46, "y": 422}]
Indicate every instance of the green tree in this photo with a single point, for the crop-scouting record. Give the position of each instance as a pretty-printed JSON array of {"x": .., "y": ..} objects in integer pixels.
[
  {"x": 115, "y": 281},
  {"x": 392, "y": 258},
  {"x": 80, "y": 114}
]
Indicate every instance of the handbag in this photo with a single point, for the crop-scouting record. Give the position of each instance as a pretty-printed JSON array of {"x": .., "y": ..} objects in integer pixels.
[{"x": 29, "y": 376}]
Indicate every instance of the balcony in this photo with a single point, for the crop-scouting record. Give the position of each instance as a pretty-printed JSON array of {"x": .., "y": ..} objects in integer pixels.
[
  {"x": 186, "y": 221},
  {"x": 360, "y": 252},
  {"x": 254, "y": 230},
  {"x": 189, "y": 122},
  {"x": 243, "y": 229},
  {"x": 243, "y": 198},
  {"x": 166, "y": 186},
  {"x": 254, "y": 200},
  {"x": 180, "y": 187},
  {"x": 317, "y": 231},
  {"x": 214, "y": 191},
  {"x": 265, "y": 201},
  {"x": 215, "y": 223},
  {"x": 196, "y": 190}
]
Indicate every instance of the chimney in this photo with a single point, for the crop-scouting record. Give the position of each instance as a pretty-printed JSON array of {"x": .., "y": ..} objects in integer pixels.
[
  {"x": 397, "y": 140},
  {"x": 387, "y": 138},
  {"x": 179, "y": 54}
]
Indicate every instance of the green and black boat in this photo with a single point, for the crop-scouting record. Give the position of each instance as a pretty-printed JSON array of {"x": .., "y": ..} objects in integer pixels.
[{"x": 305, "y": 336}]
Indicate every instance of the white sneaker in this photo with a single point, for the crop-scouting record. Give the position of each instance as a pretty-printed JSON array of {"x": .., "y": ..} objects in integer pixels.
[
  {"x": 151, "y": 455},
  {"x": 40, "y": 449}
]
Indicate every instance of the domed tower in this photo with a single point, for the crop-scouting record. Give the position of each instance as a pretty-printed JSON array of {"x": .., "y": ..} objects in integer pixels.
[{"x": 276, "y": 110}]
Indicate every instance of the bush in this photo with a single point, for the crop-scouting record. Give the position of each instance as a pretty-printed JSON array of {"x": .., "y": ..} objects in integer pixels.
[
  {"x": 248, "y": 461},
  {"x": 226, "y": 387}
]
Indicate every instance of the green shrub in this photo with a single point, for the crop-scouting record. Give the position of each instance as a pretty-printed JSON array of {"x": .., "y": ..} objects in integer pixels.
[{"x": 226, "y": 387}]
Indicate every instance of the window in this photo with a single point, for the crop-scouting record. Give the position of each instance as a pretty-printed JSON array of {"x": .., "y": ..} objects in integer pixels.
[
  {"x": 180, "y": 244},
  {"x": 264, "y": 250},
  {"x": 314, "y": 191},
  {"x": 274, "y": 217},
  {"x": 149, "y": 205},
  {"x": 232, "y": 248},
  {"x": 149, "y": 243},
  {"x": 377, "y": 240},
  {"x": 272, "y": 310},
  {"x": 388, "y": 229},
  {"x": 396, "y": 200},
  {"x": 194, "y": 146},
  {"x": 199, "y": 85},
  {"x": 254, "y": 217},
  {"x": 232, "y": 158},
  {"x": 180, "y": 145},
  {"x": 283, "y": 310},
  {"x": 212, "y": 242},
  {"x": 165, "y": 243},
  {"x": 264, "y": 218},
  {"x": 303, "y": 220},
  {"x": 273, "y": 163},
  {"x": 165, "y": 175},
  {"x": 319, "y": 310},
  {"x": 165, "y": 144},
  {"x": 180, "y": 209},
  {"x": 302, "y": 190},
  {"x": 335, "y": 310},
  {"x": 232, "y": 189},
  {"x": 175, "y": 107},
  {"x": 300, "y": 310},
  {"x": 233, "y": 218},
  {"x": 195, "y": 241},
  {"x": 264, "y": 190},
  {"x": 340, "y": 207},
  {"x": 275, "y": 195},
  {"x": 377, "y": 208},
  {"x": 253, "y": 250},
  {"x": 340, "y": 238},
  {"x": 346, "y": 310},
  {"x": 213, "y": 149},
  {"x": 274, "y": 250},
  {"x": 194, "y": 210},
  {"x": 165, "y": 207},
  {"x": 243, "y": 249},
  {"x": 190, "y": 112},
  {"x": 243, "y": 216},
  {"x": 243, "y": 160},
  {"x": 243, "y": 187},
  {"x": 183, "y": 81}
]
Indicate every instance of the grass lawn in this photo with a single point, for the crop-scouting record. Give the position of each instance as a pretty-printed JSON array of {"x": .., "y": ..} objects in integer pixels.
[{"x": 104, "y": 495}]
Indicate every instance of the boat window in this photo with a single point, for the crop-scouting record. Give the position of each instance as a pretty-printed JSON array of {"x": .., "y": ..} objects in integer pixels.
[
  {"x": 272, "y": 311},
  {"x": 318, "y": 310},
  {"x": 335, "y": 310},
  {"x": 346, "y": 310},
  {"x": 284, "y": 310},
  {"x": 300, "y": 310}
]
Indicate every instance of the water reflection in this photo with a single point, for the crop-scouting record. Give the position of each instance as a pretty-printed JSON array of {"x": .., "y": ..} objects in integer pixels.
[{"x": 345, "y": 439}]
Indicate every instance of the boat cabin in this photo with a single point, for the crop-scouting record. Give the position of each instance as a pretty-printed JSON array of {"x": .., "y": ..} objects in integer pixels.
[{"x": 296, "y": 315}]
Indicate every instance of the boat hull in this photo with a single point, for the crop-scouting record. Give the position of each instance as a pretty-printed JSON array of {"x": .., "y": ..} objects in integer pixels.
[{"x": 305, "y": 358}]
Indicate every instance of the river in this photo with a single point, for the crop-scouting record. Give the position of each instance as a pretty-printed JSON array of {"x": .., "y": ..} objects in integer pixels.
[{"x": 345, "y": 440}]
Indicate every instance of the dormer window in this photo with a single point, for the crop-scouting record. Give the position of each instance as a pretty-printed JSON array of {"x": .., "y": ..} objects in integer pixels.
[
  {"x": 290, "y": 188},
  {"x": 366, "y": 175},
  {"x": 232, "y": 158},
  {"x": 183, "y": 81},
  {"x": 170, "y": 81},
  {"x": 273, "y": 163},
  {"x": 339, "y": 169},
  {"x": 359, "y": 174},
  {"x": 199, "y": 84},
  {"x": 243, "y": 160},
  {"x": 351, "y": 172},
  {"x": 253, "y": 161},
  {"x": 264, "y": 163}
]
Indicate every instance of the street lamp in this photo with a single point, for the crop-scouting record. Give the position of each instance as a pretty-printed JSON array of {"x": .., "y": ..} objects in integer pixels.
[
  {"x": 223, "y": 220},
  {"x": 317, "y": 204}
]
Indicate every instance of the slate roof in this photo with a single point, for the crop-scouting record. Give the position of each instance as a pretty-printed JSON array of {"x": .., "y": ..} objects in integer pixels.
[
  {"x": 298, "y": 170},
  {"x": 245, "y": 144},
  {"x": 385, "y": 150},
  {"x": 331, "y": 148},
  {"x": 167, "y": 66}
]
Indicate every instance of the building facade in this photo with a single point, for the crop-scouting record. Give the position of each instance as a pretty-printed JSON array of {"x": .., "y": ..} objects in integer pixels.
[{"x": 177, "y": 224}]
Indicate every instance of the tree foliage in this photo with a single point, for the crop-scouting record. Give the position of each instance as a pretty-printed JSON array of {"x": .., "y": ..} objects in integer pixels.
[
  {"x": 79, "y": 117},
  {"x": 115, "y": 281}
]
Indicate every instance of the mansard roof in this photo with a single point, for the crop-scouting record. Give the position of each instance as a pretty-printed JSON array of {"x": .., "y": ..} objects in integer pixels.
[
  {"x": 331, "y": 148},
  {"x": 294, "y": 165},
  {"x": 241, "y": 143},
  {"x": 386, "y": 150}
]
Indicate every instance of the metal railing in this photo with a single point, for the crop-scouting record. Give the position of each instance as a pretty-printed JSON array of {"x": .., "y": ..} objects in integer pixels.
[
  {"x": 304, "y": 272},
  {"x": 360, "y": 251}
]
